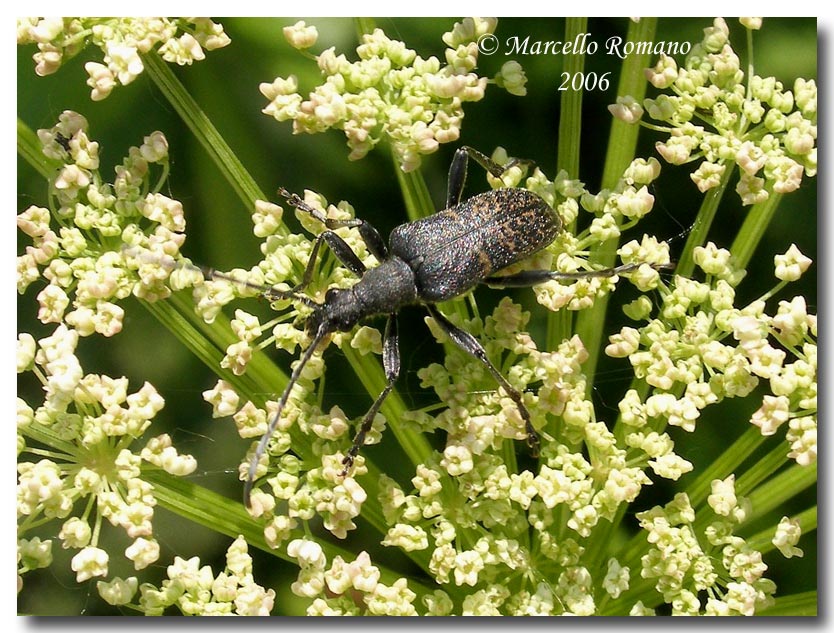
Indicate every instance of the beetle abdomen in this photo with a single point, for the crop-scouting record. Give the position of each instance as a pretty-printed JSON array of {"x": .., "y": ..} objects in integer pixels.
[{"x": 453, "y": 250}]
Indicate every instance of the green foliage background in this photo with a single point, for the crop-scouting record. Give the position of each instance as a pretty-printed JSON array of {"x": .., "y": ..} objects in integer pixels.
[{"x": 225, "y": 85}]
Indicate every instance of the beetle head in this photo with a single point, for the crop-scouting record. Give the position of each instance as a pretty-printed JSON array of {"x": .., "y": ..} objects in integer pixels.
[{"x": 339, "y": 313}]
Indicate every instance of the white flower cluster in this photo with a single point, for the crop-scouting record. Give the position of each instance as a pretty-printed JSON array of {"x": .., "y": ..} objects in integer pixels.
[
  {"x": 123, "y": 41},
  {"x": 95, "y": 419},
  {"x": 86, "y": 278},
  {"x": 89, "y": 420},
  {"x": 297, "y": 492},
  {"x": 684, "y": 561},
  {"x": 479, "y": 420},
  {"x": 469, "y": 486},
  {"x": 684, "y": 354},
  {"x": 195, "y": 590},
  {"x": 346, "y": 588},
  {"x": 768, "y": 131},
  {"x": 390, "y": 92},
  {"x": 285, "y": 258}
]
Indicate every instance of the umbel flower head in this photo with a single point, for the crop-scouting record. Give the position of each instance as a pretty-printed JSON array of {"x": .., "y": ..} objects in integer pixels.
[
  {"x": 467, "y": 483},
  {"x": 717, "y": 115},
  {"x": 390, "y": 92},
  {"x": 701, "y": 349},
  {"x": 104, "y": 241},
  {"x": 95, "y": 420},
  {"x": 194, "y": 589},
  {"x": 470, "y": 511},
  {"x": 123, "y": 41},
  {"x": 90, "y": 421}
]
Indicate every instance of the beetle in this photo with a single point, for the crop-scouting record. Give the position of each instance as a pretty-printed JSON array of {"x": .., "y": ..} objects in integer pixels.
[{"x": 427, "y": 261}]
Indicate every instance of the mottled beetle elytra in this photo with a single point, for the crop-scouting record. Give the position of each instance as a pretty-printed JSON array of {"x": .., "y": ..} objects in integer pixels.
[{"x": 434, "y": 259}]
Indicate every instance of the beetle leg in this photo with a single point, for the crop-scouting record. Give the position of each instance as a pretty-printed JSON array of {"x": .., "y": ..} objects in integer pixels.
[
  {"x": 340, "y": 249},
  {"x": 527, "y": 278},
  {"x": 373, "y": 240},
  {"x": 458, "y": 169},
  {"x": 342, "y": 252},
  {"x": 273, "y": 424},
  {"x": 469, "y": 343},
  {"x": 391, "y": 363},
  {"x": 457, "y": 177},
  {"x": 369, "y": 234}
]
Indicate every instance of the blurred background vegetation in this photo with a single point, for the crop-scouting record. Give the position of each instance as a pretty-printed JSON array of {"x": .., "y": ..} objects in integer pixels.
[{"x": 225, "y": 85}]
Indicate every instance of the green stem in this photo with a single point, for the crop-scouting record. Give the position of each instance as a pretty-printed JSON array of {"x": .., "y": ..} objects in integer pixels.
[
  {"x": 560, "y": 323},
  {"x": 45, "y": 435},
  {"x": 215, "y": 145},
  {"x": 208, "y": 343},
  {"x": 799, "y": 604},
  {"x": 703, "y": 222},
  {"x": 364, "y": 26},
  {"x": 726, "y": 463},
  {"x": 622, "y": 144},
  {"x": 781, "y": 488},
  {"x": 570, "y": 113},
  {"x": 754, "y": 227},
  {"x": 761, "y": 469},
  {"x": 29, "y": 147},
  {"x": 418, "y": 203}
]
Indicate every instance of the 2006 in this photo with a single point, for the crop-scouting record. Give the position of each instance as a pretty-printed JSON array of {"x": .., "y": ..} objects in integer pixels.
[{"x": 584, "y": 81}]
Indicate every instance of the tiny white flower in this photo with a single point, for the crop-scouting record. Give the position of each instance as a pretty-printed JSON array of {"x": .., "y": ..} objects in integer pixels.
[
  {"x": 34, "y": 553},
  {"x": 309, "y": 553},
  {"x": 142, "y": 552},
  {"x": 75, "y": 533},
  {"x": 723, "y": 498},
  {"x": 513, "y": 78},
  {"x": 26, "y": 348},
  {"x": 118, "y": 591},
  {"x": 467, "y": 566},
  {"x": 457, "y": 460},
  {"x": 301, "y": 36},
  {"x": 101, "y": 80},
  {"x": 787, "y": 536},
  {"x": 123, "y": 61},
  {"x": 626, "y": 109},
  {"x": 90, "y": 562},
  {"x": 617, "y": 579},
  {"x": 47, "y": 29},
  {"x": 223, "y": 399},
  {"x": 791, "y": 264}
]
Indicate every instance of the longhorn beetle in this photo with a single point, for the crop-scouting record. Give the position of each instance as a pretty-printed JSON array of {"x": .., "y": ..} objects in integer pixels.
[{"x": 433, "y": 259}]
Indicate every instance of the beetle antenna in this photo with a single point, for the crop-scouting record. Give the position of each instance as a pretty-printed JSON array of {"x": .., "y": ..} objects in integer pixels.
[
  {"x": 271, "y": 293},
  {"x": 210, "y": 274},
  {"x": 296, "y": 374}
]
